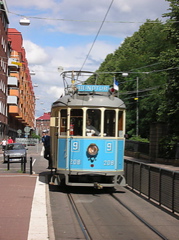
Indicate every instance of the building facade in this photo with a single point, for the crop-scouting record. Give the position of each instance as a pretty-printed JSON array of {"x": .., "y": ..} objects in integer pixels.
[
  {"x": 4, "y": 55},
  {"x": 43, "y": 123},
  {"x": 21, "y": 97},
  {"x": 17, "y": 98}
]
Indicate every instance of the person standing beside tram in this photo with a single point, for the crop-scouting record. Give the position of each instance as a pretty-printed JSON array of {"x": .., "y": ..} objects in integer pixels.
[{"x": 47, "y": 154}]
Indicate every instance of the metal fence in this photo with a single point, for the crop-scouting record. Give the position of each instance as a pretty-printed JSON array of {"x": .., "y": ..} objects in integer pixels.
[
  {"x": 136, "y": 146},
  {"x": 157, "y": 184},
  {"x": 27, "y": 141}
]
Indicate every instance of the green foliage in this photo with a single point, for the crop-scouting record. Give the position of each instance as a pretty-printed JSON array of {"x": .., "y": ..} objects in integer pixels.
[
  {"x": 169, "y": 58},
  {"x": 154, "y": 48},
  {"x": 138, "y": 53},
  {"x": 139, "y": 139},
  {"x": 167, "y": 147},
  {"x": 33, "y": 135}
]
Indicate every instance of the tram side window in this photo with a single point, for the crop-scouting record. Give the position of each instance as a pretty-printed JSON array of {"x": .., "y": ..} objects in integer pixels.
[
  {"x": 63, "y": 122},
  {"x": 76, "y": 122},
  {"x": 93, "y": 122},
  {"x": 109, "y": 123},
  {"x": 120, "y": 124}
]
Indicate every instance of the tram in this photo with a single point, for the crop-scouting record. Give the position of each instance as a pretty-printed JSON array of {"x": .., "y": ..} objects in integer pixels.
[{"x": 87, "y": 128}]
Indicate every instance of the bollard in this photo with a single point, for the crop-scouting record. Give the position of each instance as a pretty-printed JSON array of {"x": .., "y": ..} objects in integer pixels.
[
  {"x": 8, "y": 163},
  {"x": 31, "y": 165},
  {"x": 22, "y": 164},
  {"x": 24, "y": 161}
]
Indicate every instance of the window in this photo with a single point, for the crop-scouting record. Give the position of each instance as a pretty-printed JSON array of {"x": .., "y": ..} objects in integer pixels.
[
  {"x": 93, "y": 122},
  {"x": 120, "y": 124},
  {"x": 76, "y": 122},
  {"x": 109, "y": 122},
  {"x": 63, "y": 122}
]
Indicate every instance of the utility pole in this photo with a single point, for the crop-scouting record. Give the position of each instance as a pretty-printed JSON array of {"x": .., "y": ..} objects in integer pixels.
[{"x": 137, "y": 107}]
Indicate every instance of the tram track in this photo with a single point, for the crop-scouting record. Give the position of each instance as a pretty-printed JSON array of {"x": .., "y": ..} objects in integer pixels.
[
  {"x": 79, "y": 218},
  {"x": 85, "y": 230},
  {"x": 93, "y": 214},
  {"x": 139, "y": 218}
]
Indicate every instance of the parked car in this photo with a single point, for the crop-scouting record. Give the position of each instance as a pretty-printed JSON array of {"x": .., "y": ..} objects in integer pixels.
[{"x": 15, "y": 151}]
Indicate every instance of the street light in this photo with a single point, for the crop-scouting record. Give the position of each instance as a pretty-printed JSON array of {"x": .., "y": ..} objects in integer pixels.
[
  {"x": 24, "y": 22},
  {"x": 125, "y": 74},
  {"x": 32, "y": 72}
]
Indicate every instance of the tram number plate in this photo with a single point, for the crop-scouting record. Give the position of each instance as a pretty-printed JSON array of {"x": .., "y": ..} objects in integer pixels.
[
  {"x": 75, "y": 162},
  {"x": 108, "y": 162}
]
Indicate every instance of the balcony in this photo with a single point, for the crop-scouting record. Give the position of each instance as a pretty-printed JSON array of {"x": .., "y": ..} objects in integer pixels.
[
  {"x": 12, "y": 81},
  {"x": 12, "y": 63},
  {"x": 12, "y": 100},
  {"x": 14, "y": 110},
  {"x": 14, "y": 92}
]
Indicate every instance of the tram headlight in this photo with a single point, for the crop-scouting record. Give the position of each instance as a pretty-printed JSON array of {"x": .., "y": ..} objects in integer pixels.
[{"x": 92, "y": 149}]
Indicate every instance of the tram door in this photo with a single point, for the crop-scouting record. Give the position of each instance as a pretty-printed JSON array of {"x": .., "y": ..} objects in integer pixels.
[{"x": 54, "y": 136}]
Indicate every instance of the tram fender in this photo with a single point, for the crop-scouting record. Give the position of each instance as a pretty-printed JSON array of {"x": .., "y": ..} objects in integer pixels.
[
  {"x": 121, "y": 180},
  {"x": 55, "y": 180}
]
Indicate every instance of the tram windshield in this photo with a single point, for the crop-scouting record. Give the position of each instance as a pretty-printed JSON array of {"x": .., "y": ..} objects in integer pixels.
[
  {"x": 76, "y": 122},
  {"x": 93, "y": 122},
  {"x": 109, "y": 122}
]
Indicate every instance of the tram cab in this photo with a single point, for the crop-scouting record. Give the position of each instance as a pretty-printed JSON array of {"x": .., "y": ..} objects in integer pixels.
[{"x": 87, "y": 131}]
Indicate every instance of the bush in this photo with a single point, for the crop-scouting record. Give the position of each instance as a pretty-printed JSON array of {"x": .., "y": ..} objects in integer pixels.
[{"x": 139, "y": 139}]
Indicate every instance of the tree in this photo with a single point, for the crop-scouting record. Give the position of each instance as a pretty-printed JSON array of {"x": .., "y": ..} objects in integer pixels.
[
  {"x": 169, "y": 110},
  {"x": 138, "y": 53}
]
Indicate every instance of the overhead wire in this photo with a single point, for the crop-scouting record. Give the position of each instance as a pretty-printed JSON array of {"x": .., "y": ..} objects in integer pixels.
[
  {"x": 97, "y": 35},
  {"x": 79, "y": 20}
]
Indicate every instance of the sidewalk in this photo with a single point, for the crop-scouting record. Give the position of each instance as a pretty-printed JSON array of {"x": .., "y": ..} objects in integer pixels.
[{"x": 24, "y": 204}]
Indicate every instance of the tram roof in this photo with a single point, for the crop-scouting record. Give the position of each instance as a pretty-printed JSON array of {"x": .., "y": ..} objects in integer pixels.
[{"x": 89, "y": 100}]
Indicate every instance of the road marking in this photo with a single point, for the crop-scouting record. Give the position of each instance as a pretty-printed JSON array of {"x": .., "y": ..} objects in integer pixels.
[{"x": 38, "y": 228}]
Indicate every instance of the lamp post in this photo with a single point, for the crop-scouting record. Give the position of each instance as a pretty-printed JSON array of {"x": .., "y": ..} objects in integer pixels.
[{"x": 137, "y": 107}]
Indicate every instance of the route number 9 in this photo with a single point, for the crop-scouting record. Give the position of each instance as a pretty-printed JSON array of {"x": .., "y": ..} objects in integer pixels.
[
  {"x": 109, "y": 147},
  {"x": 75, "y": 146}
]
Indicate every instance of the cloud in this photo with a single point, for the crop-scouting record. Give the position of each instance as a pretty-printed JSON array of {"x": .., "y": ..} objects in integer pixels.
[
  {"x": 66, "y": 42},
  {"x": 34, "y": 53},
  {"x": 84, "y": 18},
  {"x": 50, "y": 84}
]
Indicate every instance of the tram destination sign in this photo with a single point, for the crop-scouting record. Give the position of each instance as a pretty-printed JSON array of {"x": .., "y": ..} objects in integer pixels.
[{"x": 91, "y": 88}]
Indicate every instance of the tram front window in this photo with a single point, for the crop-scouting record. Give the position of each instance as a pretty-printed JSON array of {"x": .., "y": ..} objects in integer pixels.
[
  {"x": 76, "y": 122},
  {"x": 93, "y": 122},
  {"x": 63, "y": 122},
  {"x": 120, "y": 124},
  {"x": 109, "y": 123}
]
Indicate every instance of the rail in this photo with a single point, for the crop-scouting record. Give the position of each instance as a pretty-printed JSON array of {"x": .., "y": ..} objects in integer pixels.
[{"x": 157, "y": 184}]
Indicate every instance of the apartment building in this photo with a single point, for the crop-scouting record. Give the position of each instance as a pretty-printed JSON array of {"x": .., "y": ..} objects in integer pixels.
[
  {"x": 4, "y": 54},
  {"x": 17, "y": 98},
  {"x": 21, "y": 97}
]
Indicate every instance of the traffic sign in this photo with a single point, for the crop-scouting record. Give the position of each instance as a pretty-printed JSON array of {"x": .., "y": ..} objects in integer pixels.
[
  {"x": 27, "y": 129},
  {"x": 19, "y": 131}
]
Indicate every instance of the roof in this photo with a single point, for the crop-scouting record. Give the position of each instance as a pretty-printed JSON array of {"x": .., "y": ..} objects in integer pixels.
[
  {"x": 46, "y": 116},
  {"x": 89, "y": 101}
]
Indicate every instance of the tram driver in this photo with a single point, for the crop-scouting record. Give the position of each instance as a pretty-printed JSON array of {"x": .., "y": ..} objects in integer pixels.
[{"x": 91, "y": 130}]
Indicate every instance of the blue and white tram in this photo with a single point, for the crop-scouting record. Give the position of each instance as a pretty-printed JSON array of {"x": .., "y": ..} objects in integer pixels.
[{"x": 82, "y": 156}]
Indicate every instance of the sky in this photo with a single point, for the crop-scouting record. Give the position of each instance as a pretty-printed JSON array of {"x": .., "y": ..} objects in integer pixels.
[{"x": 62, "y": 33}]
